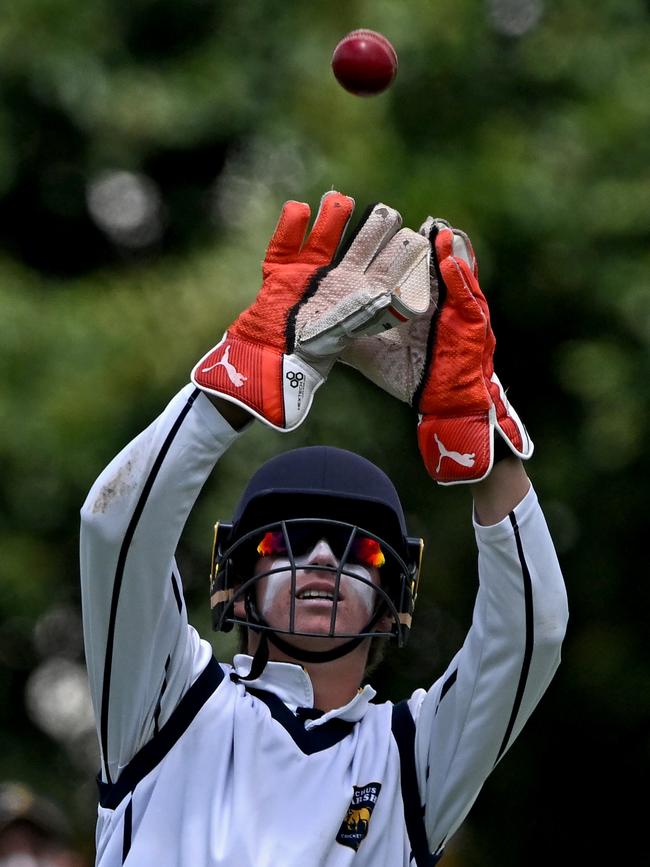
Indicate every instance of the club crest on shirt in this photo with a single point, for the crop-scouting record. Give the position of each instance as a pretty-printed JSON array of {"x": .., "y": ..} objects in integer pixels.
[{"x": 355, "y": 825}]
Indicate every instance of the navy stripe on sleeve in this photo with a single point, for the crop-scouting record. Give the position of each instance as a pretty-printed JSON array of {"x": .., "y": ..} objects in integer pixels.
[
  {"x": 528, "y": 645},
  {"x": 177, "y": 594},
  {"x": 156, "y": 716},
  {"x": 119, "y": 574},
  {"x": 447, "y": 685},
  {"x": 404, "y": 733},
  {"x": 128, "y": 830}
]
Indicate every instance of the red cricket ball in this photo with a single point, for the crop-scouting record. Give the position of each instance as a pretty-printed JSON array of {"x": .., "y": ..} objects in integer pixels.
[{"x": 364, "y": 62}]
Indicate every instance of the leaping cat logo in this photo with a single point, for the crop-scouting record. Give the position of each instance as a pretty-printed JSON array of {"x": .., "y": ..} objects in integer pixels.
[
  {"x": 237, "y": 378},
  {"x": 465, "y": 459}
]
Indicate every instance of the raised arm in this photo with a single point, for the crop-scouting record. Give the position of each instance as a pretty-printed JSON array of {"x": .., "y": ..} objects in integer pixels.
[
  {"x": 141, "y": 654},
  {"x": 473, "y": 713},
  {"x": 468, "y": 433}
]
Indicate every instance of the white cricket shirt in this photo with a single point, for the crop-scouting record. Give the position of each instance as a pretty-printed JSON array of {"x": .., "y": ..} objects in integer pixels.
[{"x": 200, "y": 771}]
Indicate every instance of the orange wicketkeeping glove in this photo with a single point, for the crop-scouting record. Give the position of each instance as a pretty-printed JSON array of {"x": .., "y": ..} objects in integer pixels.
[
  {"x": 279, "y": 351},
  {"x": 442, "y": 364}
]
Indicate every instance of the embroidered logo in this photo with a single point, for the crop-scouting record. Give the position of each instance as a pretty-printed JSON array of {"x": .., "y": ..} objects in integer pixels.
[
  {"x": 355, "y": 825},
  {"x": 237, "y": 378},
  {"x": 465, "y": 459}
]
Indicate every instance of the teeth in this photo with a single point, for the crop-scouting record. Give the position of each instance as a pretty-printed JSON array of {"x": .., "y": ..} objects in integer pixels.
[{"x": 316, "y": 594}]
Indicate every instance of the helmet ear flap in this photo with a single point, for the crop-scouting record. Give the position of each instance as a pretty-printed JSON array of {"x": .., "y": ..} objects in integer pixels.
[
  {"x": 221, "y": 578},
  {"x": 415, "y": 551}
]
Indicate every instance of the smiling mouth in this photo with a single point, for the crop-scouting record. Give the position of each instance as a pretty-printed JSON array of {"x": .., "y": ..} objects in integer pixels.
[{"x": 323, "y": 595}]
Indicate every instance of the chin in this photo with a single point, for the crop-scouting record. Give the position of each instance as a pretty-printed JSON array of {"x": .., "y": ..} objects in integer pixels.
[{"x": 319, "y": 624}]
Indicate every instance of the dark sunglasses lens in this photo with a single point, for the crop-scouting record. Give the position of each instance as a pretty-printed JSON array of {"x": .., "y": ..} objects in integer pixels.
[{"x": 303, "y": 538}]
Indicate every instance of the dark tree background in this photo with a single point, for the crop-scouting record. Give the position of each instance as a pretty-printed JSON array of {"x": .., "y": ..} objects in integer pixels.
[{"x": 146, "y": 147}]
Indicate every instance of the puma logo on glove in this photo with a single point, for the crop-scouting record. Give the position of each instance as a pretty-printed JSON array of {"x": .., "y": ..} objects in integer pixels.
[
  {"x": 237, "y": 378},
  {"x": 465, "y": 460}
]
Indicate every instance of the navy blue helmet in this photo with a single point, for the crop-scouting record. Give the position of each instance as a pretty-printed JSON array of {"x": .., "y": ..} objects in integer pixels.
[{"x": 302, "y": 495}]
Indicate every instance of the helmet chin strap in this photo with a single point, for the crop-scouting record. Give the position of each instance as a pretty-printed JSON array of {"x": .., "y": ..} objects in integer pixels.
[
  {"x": 314, "y": 655},
  {"x": 268, "y": 635}
]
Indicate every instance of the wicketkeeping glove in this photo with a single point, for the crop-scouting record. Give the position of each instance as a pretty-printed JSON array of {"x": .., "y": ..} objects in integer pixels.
[
  {"x": 442, "y": 364},
  {"x": 279, "y": 351}
]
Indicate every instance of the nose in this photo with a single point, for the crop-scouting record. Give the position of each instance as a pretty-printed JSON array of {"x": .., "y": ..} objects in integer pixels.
[{"x": 322, "y": 555}]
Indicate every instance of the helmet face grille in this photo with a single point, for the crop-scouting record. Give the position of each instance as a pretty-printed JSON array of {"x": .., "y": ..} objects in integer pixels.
[
  {"x": 318, "y": 492},
  {"x": 238, "y": 567}
]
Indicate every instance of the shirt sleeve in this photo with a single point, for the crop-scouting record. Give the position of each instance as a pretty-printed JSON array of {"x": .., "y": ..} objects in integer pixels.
[
  {"x": 473, "y": 713},
  {"x": 141, "y": 654}
]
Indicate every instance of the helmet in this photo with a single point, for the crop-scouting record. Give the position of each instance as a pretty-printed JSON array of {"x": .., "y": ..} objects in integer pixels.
[{"x": 323, "y": 486}]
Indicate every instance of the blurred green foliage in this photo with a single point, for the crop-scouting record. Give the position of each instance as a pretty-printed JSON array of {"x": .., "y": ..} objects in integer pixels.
[{"x": 527, "y": 124}]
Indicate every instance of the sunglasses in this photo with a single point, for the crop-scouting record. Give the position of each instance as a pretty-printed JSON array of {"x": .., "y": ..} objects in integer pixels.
[{"x": 362, "y": 551}]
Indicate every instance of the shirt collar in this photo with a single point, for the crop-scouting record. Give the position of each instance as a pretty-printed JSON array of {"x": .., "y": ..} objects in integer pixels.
[{"x": 292, "y": 685}]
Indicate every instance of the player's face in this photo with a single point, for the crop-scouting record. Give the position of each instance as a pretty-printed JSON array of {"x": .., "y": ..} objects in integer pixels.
[{"x": 314, "y": 587}]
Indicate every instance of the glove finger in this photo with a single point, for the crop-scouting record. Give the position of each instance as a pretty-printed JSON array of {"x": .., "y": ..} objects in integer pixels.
[
  {"x": 442, "y": 241},
  {"x": 330, "y": 224},
  {"x": 289, "y": 233},
  {"x": 452, "y": 245},
  {"x": 403, "y": 267},
  {"x": 463, "y": 256},
  {"x": 462, "y": 249},
  {"x": 458, "y": 246},
  {"x": 460, "y": 289},
  {"x": 374, "y": 231},
  {"x": 431, "y": 224},
  {"x": 454, "y": 262}
]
